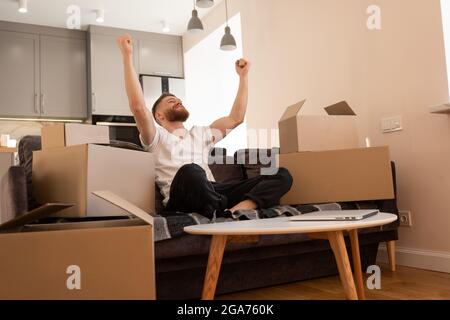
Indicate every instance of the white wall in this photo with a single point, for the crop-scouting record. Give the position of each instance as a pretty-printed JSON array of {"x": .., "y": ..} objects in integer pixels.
[
  {"x": 445, "y": 6},
  {"x": 212, "y": 83}
]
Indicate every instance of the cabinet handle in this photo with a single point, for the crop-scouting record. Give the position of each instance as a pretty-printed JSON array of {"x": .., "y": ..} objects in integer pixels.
[
  {"x": 42, "y": 102},
  {"x": 116, "y": 124},
  {"x": 163, "y": 73},
  {"x": 93, "y": 102},
  {"x": 36, "y": 103}
]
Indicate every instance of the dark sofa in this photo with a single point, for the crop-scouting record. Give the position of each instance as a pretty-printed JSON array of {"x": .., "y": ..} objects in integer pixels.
[{"x": 181, "y": 262}]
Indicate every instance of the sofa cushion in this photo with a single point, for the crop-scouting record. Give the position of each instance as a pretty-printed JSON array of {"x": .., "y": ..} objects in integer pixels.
[
  {"x": 252, "y": 160},
  {"x": 192, "y": 245},
  {"x": 224, "y": 168},
  {"x": 196, "y": 245},
  {"x": 227, "y": 173}
]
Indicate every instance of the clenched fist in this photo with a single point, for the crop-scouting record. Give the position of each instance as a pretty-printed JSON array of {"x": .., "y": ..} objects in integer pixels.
[
  {"x": 242, "y": 67},
  {"x": 125, "y": 44}
]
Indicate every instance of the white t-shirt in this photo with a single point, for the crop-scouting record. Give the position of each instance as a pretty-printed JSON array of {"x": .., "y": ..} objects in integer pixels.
[{"x": 172, "y": 152}]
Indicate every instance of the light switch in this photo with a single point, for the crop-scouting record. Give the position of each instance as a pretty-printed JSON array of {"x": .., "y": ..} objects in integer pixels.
[
  {"x": 396, "y": 124},
  {"x": 385, "y": 125},
  {"x": 391, "y": 124}
]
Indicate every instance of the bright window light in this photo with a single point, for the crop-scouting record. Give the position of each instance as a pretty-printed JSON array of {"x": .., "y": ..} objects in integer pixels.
[{"x": 212, "y": 83}]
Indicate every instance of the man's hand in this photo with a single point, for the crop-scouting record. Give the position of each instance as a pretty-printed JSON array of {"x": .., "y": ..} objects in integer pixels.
[
  {"x": 125, "y": 44},
  {"x": 242, "y": 67},
  {"x": 237, "y": 114},
  {"x": 143, "y": 117}
]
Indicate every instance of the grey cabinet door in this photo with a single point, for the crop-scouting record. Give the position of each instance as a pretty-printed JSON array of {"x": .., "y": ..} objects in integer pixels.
[
  {"x": 63, "y": 77},
  {"x": 19, "y": 78},
  {"x": 107, "y": 77},
  {"x": 152, "y": 90},
  {"x": 161, "y": 58}
]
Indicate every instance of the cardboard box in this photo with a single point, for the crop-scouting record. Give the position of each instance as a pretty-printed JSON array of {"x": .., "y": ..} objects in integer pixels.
[
  {"x": 111, "y": 260},
  {"x": 70, "y": 174},
  {"x": 338, "y": 130},
  {"x": 71, "y": 134},
  {"x": 338, "y": 176}
]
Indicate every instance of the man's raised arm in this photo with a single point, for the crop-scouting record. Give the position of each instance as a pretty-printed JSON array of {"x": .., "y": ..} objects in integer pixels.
[
  {"x": 237, "y": 115},
  {"x": 143, "y": 117}
]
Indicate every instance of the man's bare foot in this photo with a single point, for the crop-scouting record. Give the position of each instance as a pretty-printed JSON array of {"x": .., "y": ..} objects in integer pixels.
[{"x": 244, "y": 205}]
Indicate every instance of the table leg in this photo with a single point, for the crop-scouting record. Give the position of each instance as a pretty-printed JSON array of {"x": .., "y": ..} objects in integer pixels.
[
  {"x": 391, "y": 253},
  {"x": 216, "y": 250},
  {"x": 337, "y": 243},
  {"x": 357, "y": 264}
]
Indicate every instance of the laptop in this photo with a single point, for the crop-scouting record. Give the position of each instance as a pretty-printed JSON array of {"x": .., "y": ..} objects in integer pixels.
[{"x": 336, "y": 215}]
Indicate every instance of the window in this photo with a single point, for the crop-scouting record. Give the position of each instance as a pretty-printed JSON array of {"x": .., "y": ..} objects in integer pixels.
[
  {"x": 445, "y": 5},
  {"x": 212, "y": 83}
]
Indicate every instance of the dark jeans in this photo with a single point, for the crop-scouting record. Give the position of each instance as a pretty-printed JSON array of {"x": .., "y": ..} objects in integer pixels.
[{"x": 191, "y": 191}]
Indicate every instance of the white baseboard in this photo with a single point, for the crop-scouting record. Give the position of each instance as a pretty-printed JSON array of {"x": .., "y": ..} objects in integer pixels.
[{"x": 417, "y": 258}]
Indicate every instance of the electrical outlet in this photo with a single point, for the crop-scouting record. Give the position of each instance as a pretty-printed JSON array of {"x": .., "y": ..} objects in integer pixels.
[{"x": 405, "y": 218}]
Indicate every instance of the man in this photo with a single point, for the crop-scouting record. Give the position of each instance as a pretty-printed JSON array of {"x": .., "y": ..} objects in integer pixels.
[{"x": 182, "y": 171}]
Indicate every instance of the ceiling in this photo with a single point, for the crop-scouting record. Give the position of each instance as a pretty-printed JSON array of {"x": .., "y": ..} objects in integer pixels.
[{"x": 143, "y": 15}]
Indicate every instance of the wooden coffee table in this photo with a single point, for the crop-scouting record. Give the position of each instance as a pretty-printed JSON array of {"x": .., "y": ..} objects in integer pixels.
[{"x": 248, "y": 231}]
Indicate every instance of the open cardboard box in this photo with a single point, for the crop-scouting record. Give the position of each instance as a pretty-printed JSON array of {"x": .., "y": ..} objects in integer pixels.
[
  {"x": 108, "y": 259},
  {"x": 70, "y": 174},
  {"x": 70, "y": 134},
  {"x": 323, "y": 156},
  {"x": 335, "y": 131}
]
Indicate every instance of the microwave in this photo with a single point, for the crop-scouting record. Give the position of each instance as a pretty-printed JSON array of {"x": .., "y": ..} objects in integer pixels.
[{"x": 121, "y": 128}]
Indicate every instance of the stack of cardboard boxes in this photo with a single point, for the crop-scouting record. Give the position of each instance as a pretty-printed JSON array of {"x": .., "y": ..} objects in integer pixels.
[
  {"x": 323, "y": 155},
  {"x": 66, "y": 170},
  {"x": 89, "y": 257}
]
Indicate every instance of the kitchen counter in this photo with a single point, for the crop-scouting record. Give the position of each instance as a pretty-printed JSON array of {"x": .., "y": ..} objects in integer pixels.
[{"x": 7, "y": 150}]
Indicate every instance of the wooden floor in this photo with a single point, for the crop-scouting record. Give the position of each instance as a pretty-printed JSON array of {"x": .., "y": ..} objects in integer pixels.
[{"x": 404, "y": 284}]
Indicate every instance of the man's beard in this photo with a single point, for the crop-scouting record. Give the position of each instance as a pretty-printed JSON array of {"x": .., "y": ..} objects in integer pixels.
[{"x": 180, "y": 115}]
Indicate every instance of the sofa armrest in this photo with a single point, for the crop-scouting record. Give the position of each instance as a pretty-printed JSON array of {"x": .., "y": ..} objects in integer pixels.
[{"x": 13, "y": 194}]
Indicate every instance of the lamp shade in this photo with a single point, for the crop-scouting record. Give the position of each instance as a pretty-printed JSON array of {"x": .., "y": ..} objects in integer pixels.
[
  {"x": 23, "y": 6},
  {"x": 228, "y": 42},
  {"x": 100, "y": 16},
  {"x": 205, "y": 3},
  {"x": 195, "y": 24}
]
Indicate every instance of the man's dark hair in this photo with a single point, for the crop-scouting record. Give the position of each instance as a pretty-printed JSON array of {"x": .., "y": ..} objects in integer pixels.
[{"x": 157, "y": 102}]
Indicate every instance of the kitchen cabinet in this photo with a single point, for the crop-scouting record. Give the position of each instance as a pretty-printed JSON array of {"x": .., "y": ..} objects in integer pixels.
[
  {"x": 54, "y": 73},
  {"x": 161, "y": 57},
  {"x": 43, "y": 72},
  {"x": 19, "y": 75},
  {"x": 153, "y": 54},
  {"x": 63, "y": 77},
  {"x": 108, "y": 95}
]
